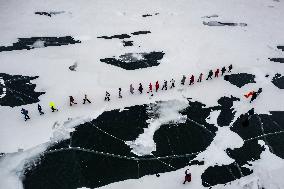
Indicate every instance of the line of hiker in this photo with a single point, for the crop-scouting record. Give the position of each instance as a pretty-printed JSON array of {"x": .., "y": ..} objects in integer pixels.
[
  {"x": 140, "y": 89},
  {"x": 52, "y": 107}
]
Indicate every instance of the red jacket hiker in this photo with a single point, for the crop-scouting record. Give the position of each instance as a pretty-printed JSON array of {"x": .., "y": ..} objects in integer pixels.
[
  {"x": 157, "y": 85},
  {"x": 217, "y": 73},
  {"x": 249, "y": 94},
  {"x": 150, "y": 87},
  {"x": 187, "y": 177}
]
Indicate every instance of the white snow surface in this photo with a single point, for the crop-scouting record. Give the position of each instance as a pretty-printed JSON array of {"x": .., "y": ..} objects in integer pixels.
[{"x": 189, "y": 47}]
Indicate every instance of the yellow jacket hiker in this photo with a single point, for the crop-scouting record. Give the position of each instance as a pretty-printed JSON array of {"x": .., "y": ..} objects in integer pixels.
[{"x": 52, "y": 106}]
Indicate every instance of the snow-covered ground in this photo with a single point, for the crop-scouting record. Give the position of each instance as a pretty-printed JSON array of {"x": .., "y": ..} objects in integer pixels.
[{"x": 190, "y": 47}]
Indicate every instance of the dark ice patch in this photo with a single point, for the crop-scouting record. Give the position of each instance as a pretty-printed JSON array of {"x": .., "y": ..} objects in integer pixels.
[
  {"x": 121, "y": 36},
  {"x": 127, "y": 43},
  {"x": 217, "y": 23},
  {"x": 278, "y": 81},
  {"x": 133, "y": 61},
  {"x": 211, "y": 16},
  {"x": 146, "y": 15},
  {"x": 19, "y": 90},
  {"x": 184, "y": 138},
  {"x": 227, "y": 113},
  {"x": 197, "y": 113},
  {"x": 280, "y": 47},
  {"x": 240, "y": 79},
  {"x": 140, "y": 32},
  {"x": 29, "y": 43},
  {"x": 51, "y": 13},
  {"x": 268, "y": 128},
  {"x": 223, "y": 174},
  {"x": 190, "y": 137},
  {"x": 279, "y": 60},
  {"x": 250, "y": 151}
]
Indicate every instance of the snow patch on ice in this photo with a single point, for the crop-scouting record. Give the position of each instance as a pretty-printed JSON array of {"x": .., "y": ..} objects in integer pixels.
[
  {"x": 62, "y": 130},
  {"x": 2, "y": 84},
  {"x": 215, "y": 154},
  {"x": 212, "y": 118},
  {"x": 38, "y": 44},
  {"x": 168, "y": 112}
]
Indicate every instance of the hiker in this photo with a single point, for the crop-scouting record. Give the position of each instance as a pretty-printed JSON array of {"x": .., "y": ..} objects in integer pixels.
[
  {"x": 172, "y": 83},
  {"x": 183, "y": 80},
  {"x": 86, "y": 99},
  {"x": 150, "y": 88},
  {"x": 40, "y": 109},
  {"x": 249, "y": 94},
  {"x": 25, "y": 113},
  {"x": 52, "y": 106},
  {"x": 73, "y": 67},
  {"x": 119, "y": 93},
  {"x": 191, "y": 81},
  {"x": 131, "y": 89},
  {"x": 157, "y": 85},
  {"x": 200, "y": 77},
  {"x": 210, "y": 74},
  {"x": 223, "y": 70},
  {"x": 165, "y": 86},
  {"x": 255, "y": 94},
  {"x": 217, "y": 72},
  {"x": 230, "y": 68},
  {"x": 187, "y": 177},
  {"x": 107, "y": 97},
  {"x": 72, "y": 101},
  {"x": 140, "y": 88}
]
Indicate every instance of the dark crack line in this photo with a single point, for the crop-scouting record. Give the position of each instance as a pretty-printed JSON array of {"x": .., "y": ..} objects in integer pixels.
[
  {"x": 108, "y": 134},
  {"x": 202, "y": 126},
  {"x": 263, "y": 136},
  {"x": 262, "y": 130},
  {"x": 164, "y": 162},
  {"x": 121, "y": 156}
]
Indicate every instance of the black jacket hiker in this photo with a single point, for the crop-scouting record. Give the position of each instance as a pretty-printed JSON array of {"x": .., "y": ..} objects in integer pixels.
[
  {"x": 119, "y": 93},
  {"x": 230, "y": 68},
  {"x": 165, "y": 86},
  {"x": 140, "y": 89},
  {"x": 40, "y": 109},
  {"x": 210, "y": 74},
  {"x": 72, "y": 101},
  {"x": 172, "y": 83},
  {"x": 223, "y": 70},
  {"x": 107, "y": 97},
  {"x": 183, "y": 80},
  {"x": 86, "y": 100},
  {"x": 25, "y": 113}
]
